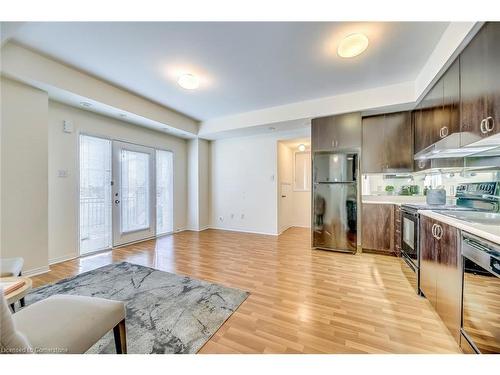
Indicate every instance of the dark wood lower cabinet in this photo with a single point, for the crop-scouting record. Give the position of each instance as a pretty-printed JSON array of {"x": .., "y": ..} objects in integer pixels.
[
  {"x": 377, "y": 234},
  {"x": 440, "y": 271}
]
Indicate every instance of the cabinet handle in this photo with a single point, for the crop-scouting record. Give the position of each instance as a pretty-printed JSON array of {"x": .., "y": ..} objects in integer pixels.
[
  {"x": 489, "y": 120},
  {"x": 443, "y": 132},
  {"x": 439, "y": 232},
  {"x": 483, "y": 126},
  {"x": 433, "y": 230}
]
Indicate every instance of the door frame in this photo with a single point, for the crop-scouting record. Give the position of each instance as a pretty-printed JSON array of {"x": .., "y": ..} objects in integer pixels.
[{"x": 77, "y": 188}]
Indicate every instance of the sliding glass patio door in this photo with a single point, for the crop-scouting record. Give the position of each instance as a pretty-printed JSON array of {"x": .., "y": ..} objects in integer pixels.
[{"x": 134, "y": 198}]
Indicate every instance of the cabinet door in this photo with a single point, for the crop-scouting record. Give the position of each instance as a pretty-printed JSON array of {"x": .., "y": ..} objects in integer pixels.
[
  {"x": 473, "y": 81},
  {"x": 398, "y": 142},
  {"x": 428, "y": 260},
  {"x": 493, "y": 76},
  {"x": 378, "y": 228},
  {"x": 372, "y": 152},
  {"x": 427, "y": 129},
  {"x": 348, "y": 130},
  {"x": 323, "y": 133},
  {"x": 336, "y": 132},
  {"x": 451, "y": 100},
  {"x": 449, "y": 278}
]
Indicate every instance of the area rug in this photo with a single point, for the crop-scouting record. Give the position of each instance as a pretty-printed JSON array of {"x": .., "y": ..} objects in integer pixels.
[{"x": 166, "y": 313}]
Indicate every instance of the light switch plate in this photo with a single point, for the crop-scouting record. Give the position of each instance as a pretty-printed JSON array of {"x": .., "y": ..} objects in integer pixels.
[{"x": 67, "y": 126}]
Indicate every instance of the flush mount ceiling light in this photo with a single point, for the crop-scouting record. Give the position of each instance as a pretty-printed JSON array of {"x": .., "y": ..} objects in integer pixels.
[
  {"x": 188, "y": 81},
  {"x": 302, "y": 147},
  {"x": 352, "y": 45}
]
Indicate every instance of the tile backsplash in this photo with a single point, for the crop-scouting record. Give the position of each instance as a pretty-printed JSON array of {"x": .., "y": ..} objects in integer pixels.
[{"x": 375, "y": 184}]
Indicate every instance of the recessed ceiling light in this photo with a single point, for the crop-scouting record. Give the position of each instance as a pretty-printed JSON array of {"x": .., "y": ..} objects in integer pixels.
[
  {"x": 85, "y": 104},
  {"x": 302, "y": 147},
  {"x": 188, "y": 81},
  {"x": 353, "y": 45}
]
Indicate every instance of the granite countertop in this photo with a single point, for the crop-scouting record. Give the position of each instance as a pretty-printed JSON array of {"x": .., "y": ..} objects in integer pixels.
[
  {"x": 489, "y": 232},
  {"x": 392, "y": 199}
]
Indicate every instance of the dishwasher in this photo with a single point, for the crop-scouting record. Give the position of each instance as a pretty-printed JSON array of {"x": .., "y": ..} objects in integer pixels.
[{"x": 480, "y": 331}]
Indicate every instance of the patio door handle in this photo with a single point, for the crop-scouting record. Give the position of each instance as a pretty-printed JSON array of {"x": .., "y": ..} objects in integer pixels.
[{"x": 117, "y": 201}]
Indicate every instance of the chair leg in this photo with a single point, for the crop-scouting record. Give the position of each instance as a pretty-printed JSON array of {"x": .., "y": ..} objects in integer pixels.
[
  {"x": 120, "y": 338},
  {"x": 22, "y": 302},
  {"x": 13, "y": 307}
]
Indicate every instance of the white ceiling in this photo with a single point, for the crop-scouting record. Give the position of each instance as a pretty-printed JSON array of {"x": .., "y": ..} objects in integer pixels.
[{"x": 243, "y": 66}]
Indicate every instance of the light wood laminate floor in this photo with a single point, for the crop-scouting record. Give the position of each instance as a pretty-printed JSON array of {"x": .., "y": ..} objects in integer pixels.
[{"x": 301, "y": 301}]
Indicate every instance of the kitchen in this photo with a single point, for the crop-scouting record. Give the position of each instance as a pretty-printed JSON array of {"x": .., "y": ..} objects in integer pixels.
[{"x": 428, "y": 179}]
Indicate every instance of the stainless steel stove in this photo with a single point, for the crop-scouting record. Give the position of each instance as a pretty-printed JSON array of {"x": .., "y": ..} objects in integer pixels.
[{"x": 469, "y": 197}]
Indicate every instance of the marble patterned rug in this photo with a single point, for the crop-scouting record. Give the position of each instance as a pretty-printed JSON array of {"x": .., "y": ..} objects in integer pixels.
[{"x": 166, "y": 313}]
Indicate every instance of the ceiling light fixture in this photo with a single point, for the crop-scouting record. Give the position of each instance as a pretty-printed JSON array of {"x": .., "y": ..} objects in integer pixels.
[
  {"x": 353, "y": 45},
  {"x": 188, "y": 81},
  {"x": 302, "y": 147}
]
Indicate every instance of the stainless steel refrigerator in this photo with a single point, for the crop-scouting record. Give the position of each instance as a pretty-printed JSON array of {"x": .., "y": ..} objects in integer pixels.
[{"x": 335, "y": 201}]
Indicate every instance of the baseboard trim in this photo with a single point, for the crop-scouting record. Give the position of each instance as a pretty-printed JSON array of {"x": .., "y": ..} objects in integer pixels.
[
  {"x": 198, "y": 229},
  {"x": 62, "y": 259},
  {"x": 294, "y": 226},
  {"x": 244, "y": 231},
  {"x": 36, "y": 271}
]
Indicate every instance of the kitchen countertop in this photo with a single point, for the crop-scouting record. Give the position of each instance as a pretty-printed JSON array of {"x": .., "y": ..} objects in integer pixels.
[
  {"x": 488, "y": 232},
  {"x": 392, "y": 199}
]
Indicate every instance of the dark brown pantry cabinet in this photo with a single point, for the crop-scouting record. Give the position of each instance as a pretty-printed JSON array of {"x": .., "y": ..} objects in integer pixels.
[
  {"x": 480, "y": 85},
  {"x": 387, "y": 143},
  {"x": 440, "y": 271}
]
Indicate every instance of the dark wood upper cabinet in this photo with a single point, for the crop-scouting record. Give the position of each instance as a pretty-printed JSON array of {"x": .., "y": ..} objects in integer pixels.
[
  {"x": 398, "y": 150},
  {"x": 480, "y": 85},
  {"x": 440, "y": 271},
  {"x": 451, "y": 100},
  {"x": 493, "y": 77},
  {"x": 437, "y": 115},
  {"x": 336, "y": 132},
  {"x": 387, "y": 143}
]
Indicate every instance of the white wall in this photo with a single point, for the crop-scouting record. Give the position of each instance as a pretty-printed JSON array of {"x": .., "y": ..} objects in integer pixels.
[
  {"x": 301, "y": 216},
  {"x": 193, "y": 207},
  {"x": 24, "y": 191},
  {"x": 198, "y": 184},
  {"x": 244, "y": 182},
  {"x": 63, "y": 155},
  {"x": 204, "y": 183}
]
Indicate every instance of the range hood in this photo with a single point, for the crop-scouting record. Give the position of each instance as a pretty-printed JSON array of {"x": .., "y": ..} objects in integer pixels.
[{"x": 449, "y": 147}]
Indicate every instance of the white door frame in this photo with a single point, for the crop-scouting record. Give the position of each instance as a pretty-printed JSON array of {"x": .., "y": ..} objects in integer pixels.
[{"x": 120, "y": 238}]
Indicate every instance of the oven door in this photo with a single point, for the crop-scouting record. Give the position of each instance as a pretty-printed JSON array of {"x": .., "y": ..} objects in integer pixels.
[{"x": 409, "y": 236}]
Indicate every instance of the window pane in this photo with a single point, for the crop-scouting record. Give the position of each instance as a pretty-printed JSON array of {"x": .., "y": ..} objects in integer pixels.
[
  {"x": 95, "y": 194},
  {"x": 164, "y": 192},
  {"x": 134, "y": 191}
]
